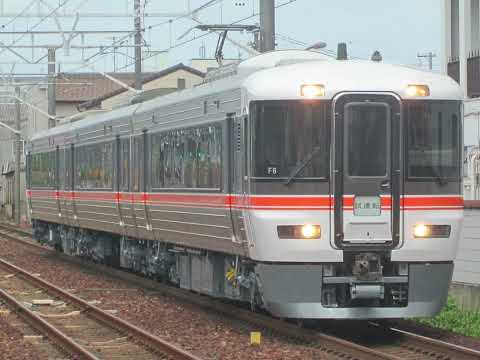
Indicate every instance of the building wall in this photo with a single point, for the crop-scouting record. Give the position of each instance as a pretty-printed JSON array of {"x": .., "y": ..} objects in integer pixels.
[
  {"x": 467, "y": 263},
  {"x": 472, "y": 122},
  {"x": 205, "y": 65},
  {"x": 66, "y": 109},
  {"x": 33, "y": 122},
  {"x": 169, "y": 81}
]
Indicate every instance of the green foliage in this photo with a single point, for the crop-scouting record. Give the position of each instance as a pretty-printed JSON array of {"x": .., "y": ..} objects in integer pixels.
[{"x": 454, "y": 319}]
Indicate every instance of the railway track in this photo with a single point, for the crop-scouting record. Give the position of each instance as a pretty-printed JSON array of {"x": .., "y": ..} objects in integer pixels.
[
  {"x": 390, "y": 343},
  {"x": 80, "y": 329}
]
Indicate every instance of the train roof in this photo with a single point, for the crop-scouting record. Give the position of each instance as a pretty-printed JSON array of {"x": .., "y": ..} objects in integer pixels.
[
  {"x": 284, "y": 82},
  {"x": 279, "y": 75}
]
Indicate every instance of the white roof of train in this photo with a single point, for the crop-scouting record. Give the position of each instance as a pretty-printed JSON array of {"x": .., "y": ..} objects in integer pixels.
[
  {"x": 279, "y": 75},
  {"x": 284, "y": 82}
]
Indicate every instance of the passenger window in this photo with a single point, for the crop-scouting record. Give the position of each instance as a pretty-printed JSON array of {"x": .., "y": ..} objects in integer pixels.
[
  {"x": 43, "y": 170},
  {"x": 94, "y": 166},
  {"x": 189, "y": 158},
  {"x": 67, "y": 175},
  {"x": 138, "y": 164},
  {"x": 61, "y": 169},
  {"x": 124, "y": 164}
]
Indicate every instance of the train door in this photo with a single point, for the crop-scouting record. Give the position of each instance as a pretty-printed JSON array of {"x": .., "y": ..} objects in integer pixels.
[
  {"x": 238, "y": 183},
  {"x": 136, "y": 218},
  {"x": 59, "y": 163},
  {"x": 123, "y": 183},
  {"x": 367, "y": 171},
  {"x": 67, "y": 198}
]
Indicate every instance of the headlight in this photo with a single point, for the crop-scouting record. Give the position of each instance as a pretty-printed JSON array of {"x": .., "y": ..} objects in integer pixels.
[
  {"x": 299, "y": 231},
  {"x": 418, "y": 90},
  {"x": 312, "y": 91},
  {"x": 431, "y": 231}
]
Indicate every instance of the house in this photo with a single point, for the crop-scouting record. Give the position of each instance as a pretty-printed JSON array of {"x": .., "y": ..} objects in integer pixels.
[{"x": 174, "y": 78}]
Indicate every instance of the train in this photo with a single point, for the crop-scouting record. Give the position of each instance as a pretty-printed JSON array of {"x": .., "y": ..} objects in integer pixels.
[{"x": 305, "y": 186}]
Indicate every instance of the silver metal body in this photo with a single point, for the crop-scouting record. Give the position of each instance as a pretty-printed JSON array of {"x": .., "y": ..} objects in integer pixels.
[{"x": 223, "y": 241}]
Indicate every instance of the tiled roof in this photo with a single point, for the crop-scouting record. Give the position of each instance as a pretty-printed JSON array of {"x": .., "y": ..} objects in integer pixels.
[{"x": 99, "y": 87}]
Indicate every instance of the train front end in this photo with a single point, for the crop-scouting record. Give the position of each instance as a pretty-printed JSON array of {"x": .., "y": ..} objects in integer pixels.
[{"x": 354, "y": 189}]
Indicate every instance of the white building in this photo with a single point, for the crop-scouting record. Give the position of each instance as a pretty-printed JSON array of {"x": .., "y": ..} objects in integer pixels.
[{"x": 461, "y": 60}]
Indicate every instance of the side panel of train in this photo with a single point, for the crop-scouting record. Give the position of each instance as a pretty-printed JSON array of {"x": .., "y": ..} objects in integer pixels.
[{"x": 149, "y": 193}]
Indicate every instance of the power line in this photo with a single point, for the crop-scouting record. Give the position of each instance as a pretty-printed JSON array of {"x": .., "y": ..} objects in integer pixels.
[
  {"x": 119, "y": 41},
  {"x": 36, "y": 25},
  {"x": 255, "y": 14},
  {"x": 19, "y": 14},
  {"x": 195, "y": 11}
]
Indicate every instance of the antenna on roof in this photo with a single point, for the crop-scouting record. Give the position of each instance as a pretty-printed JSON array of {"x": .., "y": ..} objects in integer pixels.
[{"x": 377, "y": 56}]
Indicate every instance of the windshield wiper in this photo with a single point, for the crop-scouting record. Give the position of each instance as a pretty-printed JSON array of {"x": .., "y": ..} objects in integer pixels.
[{"x": 302, "y": 165}]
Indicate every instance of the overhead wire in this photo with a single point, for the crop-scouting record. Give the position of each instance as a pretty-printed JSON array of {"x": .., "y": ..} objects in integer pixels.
[
  {"x": 3, "y": 26},
  {"x": 102, "y": 51},
  {"x": 53, "y": 11},
  {"x": 255, "y": 14},
  {"x": 35, "y": 26},
  {"x": 194, "y": 11}
]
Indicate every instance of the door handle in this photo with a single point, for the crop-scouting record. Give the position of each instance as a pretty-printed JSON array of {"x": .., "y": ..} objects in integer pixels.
[{"x": 385, "y": 185}]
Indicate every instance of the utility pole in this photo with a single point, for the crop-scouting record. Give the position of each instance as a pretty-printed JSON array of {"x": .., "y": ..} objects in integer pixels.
[
  {"x": 267, "y": 25},
  {"x": 18, "y": 155},
  {"x": 52, "y": 88},
  {"x": 138, "y": 45},
  {"x": 430, "y": 57}
]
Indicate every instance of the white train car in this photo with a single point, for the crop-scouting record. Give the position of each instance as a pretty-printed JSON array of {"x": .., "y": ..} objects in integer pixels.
[{"x": 311, "y": 187}]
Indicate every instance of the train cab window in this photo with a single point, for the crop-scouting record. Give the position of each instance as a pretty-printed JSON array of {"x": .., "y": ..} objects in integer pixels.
[
  {"x": 42, "y": 175},
  {"x": 291, "y": 140},
  {"x": 367, "y": 135},
  {"x": 434, "y": 140}
]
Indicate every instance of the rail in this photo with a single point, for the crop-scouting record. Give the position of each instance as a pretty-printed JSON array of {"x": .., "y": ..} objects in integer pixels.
[
  {"x": 156, "y": 344},
  {"x": 407, "y": 345}
]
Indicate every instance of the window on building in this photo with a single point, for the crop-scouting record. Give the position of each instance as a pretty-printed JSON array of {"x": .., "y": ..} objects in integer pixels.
[{"x": 181, "y": 84}]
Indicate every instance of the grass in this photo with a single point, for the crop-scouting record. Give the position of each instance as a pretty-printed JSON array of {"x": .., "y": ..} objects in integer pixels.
[{"x": 452, "y": 318}]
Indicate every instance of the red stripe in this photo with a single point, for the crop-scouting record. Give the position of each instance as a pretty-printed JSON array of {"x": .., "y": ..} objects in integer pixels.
[
  {"x": 249, "y": 202},
  {"x": 432, "y": 201},
  {"x": 219, "y": 200},
  {"x": 282, "y": 201}
]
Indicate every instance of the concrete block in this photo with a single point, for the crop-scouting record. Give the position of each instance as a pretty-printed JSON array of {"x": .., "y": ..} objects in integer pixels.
[{"x": 466, "y": 295}]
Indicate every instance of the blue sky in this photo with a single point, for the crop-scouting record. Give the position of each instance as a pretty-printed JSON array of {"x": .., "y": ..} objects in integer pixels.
[{"x": 398, "y": 29}]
